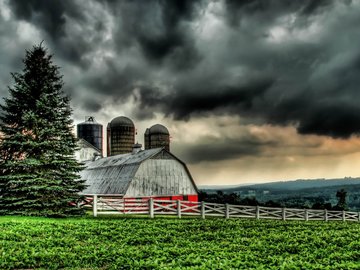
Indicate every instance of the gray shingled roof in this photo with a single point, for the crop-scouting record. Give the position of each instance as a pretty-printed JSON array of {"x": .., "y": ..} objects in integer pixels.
[{"x": 100, "y": 174}]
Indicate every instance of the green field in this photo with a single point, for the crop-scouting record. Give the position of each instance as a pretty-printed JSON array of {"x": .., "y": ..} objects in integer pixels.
[{"x": 169, "y": 243}]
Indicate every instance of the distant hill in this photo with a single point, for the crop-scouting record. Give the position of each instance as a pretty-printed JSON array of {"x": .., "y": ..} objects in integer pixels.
[
  {"x": 289, "y": 185},
  {"x": 298, "y": 193},
  {"x": 221, "y": 187}
]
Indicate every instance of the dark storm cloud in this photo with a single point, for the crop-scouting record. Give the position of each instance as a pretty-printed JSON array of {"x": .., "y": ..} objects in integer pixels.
[
  {"x": 116, "y": 79},
  {"x": 246, "y": 143},
  {"x": 270, "y": 9},
  {"x": 230, "y": 142},
  {"x": 295, "y": 90},
  {"x": 159, "y": 29},
  {"x": 49, "y": 15},
  {"x": 214, "y": 149},
  {"x": 313, "y": 6},
  {"x": 285, "y": 62},
  {"x": 52, "y": 17},
  {"x": 92, "y": 105},
  {"x": 194, "y": 99},
  {"x": 171, "y": 35}
]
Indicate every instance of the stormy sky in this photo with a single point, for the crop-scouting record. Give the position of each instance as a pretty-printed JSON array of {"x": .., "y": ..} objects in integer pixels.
[{"x": 250, "y": 90}]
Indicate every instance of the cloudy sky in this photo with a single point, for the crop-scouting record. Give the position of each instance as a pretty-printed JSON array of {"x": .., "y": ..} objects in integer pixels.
[{"x": 250, "y": 90}]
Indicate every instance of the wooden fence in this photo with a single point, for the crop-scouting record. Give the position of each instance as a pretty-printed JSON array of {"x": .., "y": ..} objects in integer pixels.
[{"x": 110, "y": 204}]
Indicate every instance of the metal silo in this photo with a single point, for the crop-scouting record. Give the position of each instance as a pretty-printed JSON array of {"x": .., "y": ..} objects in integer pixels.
[
  {"x": 91, "y": 131},
  {"x": 120, "y": 136},
  {"x": 157, "y": 136}
]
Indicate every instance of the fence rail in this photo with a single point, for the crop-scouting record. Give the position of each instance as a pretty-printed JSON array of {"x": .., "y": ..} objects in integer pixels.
[{"x": 107, "y": 205}]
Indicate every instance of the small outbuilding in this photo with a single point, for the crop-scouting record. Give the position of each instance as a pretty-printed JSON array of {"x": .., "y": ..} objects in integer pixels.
[
  {"x": 86, "y": 151},
  {"x": 154, "y": 173}
]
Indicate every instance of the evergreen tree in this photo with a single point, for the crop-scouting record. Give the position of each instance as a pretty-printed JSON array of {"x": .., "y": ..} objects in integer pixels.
[
  {"x": 38, "y": 170},
  {"x": 341, "y": 195}
]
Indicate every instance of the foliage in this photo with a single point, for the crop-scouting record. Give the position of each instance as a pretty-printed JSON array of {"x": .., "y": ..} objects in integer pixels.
[
  {"x": 220, "y": 197},
  {"x": 167, "y": 243},
  {"x": 301, "y": 193},
  {"x": 230, "y": 198},
  {"x": 305, "y": 202},
  {"x": 39, "y": 174},
  {"x": 341, "y": 195}
]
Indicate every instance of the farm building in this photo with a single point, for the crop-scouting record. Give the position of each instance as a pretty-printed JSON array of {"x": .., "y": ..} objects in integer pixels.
[
  {"x": 86, "y": 151},
  {"x": 152, "y": 173}
]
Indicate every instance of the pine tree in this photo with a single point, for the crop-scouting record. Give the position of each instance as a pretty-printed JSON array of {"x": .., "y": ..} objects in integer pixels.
[
  {"x": 38, "y": 170},
  {"x": 341, "y": 195}
]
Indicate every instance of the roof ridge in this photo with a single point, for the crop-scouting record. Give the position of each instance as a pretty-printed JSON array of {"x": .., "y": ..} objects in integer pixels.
[
  {"x": 88, "y": 144},
  {"x": 125, "y": 159}
]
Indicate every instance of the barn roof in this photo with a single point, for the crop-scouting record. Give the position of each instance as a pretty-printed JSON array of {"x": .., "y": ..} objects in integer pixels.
[
  {"x": 112, "y": 175},
  {"x": 124, "y": 159},
  {"x": 100, "y": 174}
]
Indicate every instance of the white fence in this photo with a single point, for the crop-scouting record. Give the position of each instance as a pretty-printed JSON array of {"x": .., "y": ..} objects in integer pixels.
[{"x": 110, "y": 204}]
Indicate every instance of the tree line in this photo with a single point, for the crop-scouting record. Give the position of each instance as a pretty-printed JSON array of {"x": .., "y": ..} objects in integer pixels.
[{"x": 234, "y": 198}]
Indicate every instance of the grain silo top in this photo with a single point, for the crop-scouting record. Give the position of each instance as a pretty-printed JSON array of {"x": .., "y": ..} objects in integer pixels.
[
  {"x": 158, "y": 129},
  {"x": 121, "y": 121},
  {"x": 89, "y": 120}
]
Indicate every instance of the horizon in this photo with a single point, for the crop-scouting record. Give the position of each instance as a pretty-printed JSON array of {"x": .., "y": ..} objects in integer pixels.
[
  {"x": 250, "y": 90},
  {"x": 283, "y": 181}
]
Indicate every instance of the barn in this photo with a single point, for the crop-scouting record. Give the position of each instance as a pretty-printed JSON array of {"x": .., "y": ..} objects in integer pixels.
[{"x": 154, "y": 173}]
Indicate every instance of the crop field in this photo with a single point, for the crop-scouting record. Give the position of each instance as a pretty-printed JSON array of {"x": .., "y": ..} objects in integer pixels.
[{"x": 169, "y": 243}]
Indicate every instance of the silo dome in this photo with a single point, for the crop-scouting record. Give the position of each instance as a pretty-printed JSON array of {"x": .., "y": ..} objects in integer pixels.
[
  {"x": 158, "y": 129},
  {"x": 121, "y": 136},
  {"x": 121, "y": 121}
]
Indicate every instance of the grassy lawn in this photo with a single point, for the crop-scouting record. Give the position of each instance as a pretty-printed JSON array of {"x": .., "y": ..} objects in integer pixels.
[{"x": 169, "y": 243}]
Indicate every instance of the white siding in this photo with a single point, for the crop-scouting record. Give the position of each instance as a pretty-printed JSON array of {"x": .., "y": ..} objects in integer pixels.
[
  {"x": 86, "y": 153},
  {"x": 160, "y": 177}
]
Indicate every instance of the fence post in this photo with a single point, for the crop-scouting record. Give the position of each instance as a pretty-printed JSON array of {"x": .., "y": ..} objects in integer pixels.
[
  {"x": 306, "y": 215},
  {"x": 343, "y": 216},
  {"x": 227, "y": 211},
  {"x": 203, "y": 209},
  {"x": 326, "y": 215},
  {"x": 257, "y": 212},
  {"x": 95, "y": 206},
  {"x": 151, "y": 207},
  {"x": 284, "y": 214},
  {"x": 178, "y": 204},
  {"x": 359, "y": 216}
]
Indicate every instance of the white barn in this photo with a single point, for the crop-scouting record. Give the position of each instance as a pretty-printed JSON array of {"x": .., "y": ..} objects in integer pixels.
[{"x": 148, "y": 173}]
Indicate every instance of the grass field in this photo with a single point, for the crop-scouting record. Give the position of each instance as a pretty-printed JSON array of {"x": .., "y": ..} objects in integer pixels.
[{"x": 169, "y": 243}]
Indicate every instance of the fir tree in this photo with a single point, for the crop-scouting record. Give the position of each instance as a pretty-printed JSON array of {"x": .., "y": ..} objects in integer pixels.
[
  {"x": 341, "y": 195},
  {"x": 38, "y": 170}
]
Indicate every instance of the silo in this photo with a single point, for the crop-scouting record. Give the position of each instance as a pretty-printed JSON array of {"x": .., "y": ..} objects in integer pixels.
[
  {"x": 121, "y": 136},
  {"x": 147, "y": 138},
  {"x": 91, "y": 131},
  {"x": 157, "y": 136}
]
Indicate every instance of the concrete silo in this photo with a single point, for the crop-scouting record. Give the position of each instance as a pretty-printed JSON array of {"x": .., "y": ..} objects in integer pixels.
[
  {"x": 120, "y": 136},
  {"x": 92, "y": 132},
  {"x": 157, "y": 136}
]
